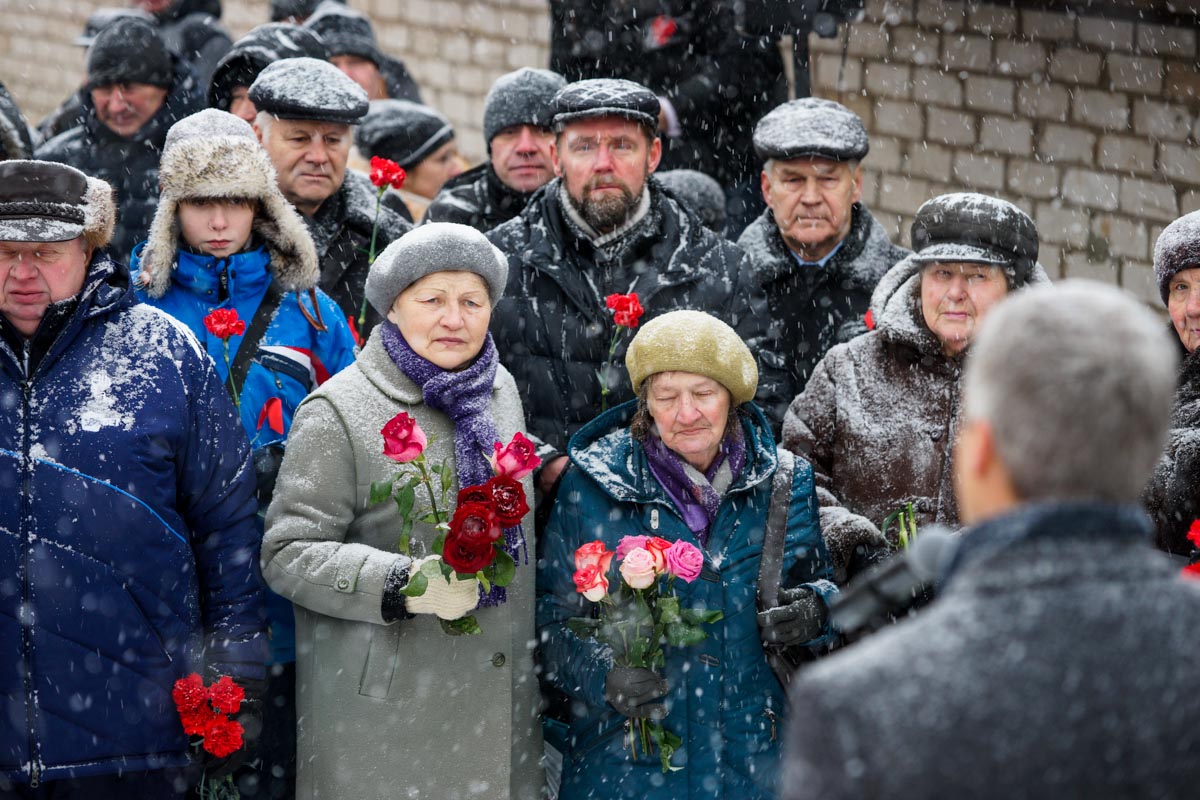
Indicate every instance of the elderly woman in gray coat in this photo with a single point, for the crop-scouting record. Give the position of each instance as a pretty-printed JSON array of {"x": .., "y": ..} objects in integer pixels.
[{"x": 389, "y": 705}]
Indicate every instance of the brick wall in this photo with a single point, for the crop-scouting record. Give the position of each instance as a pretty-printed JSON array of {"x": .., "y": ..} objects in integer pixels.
[{"x": 1088, "y": 123}]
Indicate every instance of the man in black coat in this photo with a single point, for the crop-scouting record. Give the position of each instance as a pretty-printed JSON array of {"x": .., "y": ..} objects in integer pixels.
[
  {"x": 191, "y": 28},
  {"x": 1060, "y": 658},
  {"x": 137, "y": 89},
  {"x": 817, "y": 252},
  {"x": 350, "y": 41},
  {"x": 603, "y": 227},
  {"x": 516, "y": 126}
]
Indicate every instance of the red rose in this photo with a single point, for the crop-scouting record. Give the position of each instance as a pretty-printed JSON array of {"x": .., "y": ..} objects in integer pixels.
[
  {"x": 658, "y": 547},
  {"x": 403, "y": 439},
  {"x": 226, "y": 696},
  {"x": 386, "y": 173},
  {"x": 468, "y": 545},
  {"x": 508, "y": 500},
  {"x": 474, "y": 494},
  {"x": 594, "y": 553},
  {"x": 224, "y": 322},
  {"x": 626, "y": 308},
  {"x": 515, "y": 459},
  {"x": 222, "y": 736},
  {"x": 591, "y": 582},
  {"x": 189, "y": 693},
  {"x": 196, "y": 721}
]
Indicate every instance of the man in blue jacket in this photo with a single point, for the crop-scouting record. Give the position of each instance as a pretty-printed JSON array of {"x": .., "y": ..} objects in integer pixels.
[{"x": 127, "y": 539}]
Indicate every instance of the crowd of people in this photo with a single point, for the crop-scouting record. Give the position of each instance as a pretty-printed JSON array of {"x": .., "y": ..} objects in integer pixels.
[{"x": 214, "y": 306}]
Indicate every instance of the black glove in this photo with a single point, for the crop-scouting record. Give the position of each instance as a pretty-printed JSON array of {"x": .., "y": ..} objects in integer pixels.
[
  {"x": 250, "y": 717},
  {"x": 800, "y": 616},
  {"x": 267, "y": 461},
  {"x": 630, "y": 689}
]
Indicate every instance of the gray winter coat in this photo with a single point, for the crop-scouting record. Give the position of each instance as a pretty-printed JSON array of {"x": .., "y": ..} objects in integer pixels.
[
  {"x": 811, "y": 310},
  {"x": 879, "y": 415},
  {"x": 1058, "y": 662},
  {"x": 401, "y": 709}
]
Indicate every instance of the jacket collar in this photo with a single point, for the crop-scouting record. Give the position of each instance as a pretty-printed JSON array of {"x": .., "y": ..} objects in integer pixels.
[
  {"x": 763, "y": 236},
  {"x": 248, "y": 272}
]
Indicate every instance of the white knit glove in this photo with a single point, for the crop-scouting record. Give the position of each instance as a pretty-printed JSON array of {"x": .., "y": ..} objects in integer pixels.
[{"x": 447, "y": 600}]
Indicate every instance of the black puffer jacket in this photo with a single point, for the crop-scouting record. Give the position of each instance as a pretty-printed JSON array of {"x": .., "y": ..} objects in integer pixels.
[
  {"x": 341, "y": 230},
  {"x": 128, "y": 164},
  {"x": 477, "y": 198},
  {"x": 15, "y": 140},
  {"x": 192, "y": 29},
  {"x": 811, "y": 310},
  {"x": 552, "y": 327},
  {"x": 1173, "y": 496}
]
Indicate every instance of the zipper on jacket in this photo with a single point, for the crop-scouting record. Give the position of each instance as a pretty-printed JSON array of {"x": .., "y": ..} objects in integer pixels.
[
  {"x": 773, "y": 719},
  {"x": 26, "y": 629}
]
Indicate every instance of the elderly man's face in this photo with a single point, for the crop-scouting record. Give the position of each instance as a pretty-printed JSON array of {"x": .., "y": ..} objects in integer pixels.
[
  {"x": 126, "y": 107},
  {"x": 309, "y": 159},
  {"x": 35, "y": 274},
  {"x": 812, "y": 200},
  {"x": 521, "y": 156},
  {"x": 604, "y": 164}
]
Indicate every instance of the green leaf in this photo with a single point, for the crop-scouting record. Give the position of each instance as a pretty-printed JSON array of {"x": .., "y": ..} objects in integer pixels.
[
  {"x": 584, "y": 627},
  {"x": 467, "y": 626},
  {"x": 681, "y": 635},
  {"x": 405, "y": 498},
  {"x": 381, "y": 490},
  {"x": 445, "y": 569},
  {"x": 668, "y": 610},
  {"x": 417, "y": 584},
  {"x": 447, "y": 478},
  {"x": 431, "y": 570},
  {"x": 405, "y": 540},
  {"x": 483, "y": 579},
  {"x": 429, "y": 519},
  {"x": 439, "y": 543},
  {"x": 695, "y": 616},
  {"x": 437, "y": 468},
  {"x": 506, "y": 568}
]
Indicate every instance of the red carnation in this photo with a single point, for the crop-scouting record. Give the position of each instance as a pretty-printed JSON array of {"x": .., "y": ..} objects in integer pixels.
[
  {"x": 226, "y": 696},
  {"x": 626, "y": 308},
  {"x": 508, "y": 500},
  {"x": 1193, "y": 533},
  {"x": 189, "y": 693},
  {"x": 222, "y": 736},
  {"x": 386, "y": 173},
  {"x": 224, "y": 322},
  {"x": 869, "y": 320}
]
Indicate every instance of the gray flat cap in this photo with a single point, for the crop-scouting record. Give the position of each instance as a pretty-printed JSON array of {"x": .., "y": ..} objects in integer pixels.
[{"x": 811, "y": 128}]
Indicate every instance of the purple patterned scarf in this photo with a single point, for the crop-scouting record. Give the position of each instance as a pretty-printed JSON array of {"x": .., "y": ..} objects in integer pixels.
[
  {"x": 696, "y": 500},
  {"x": 464, "y": 396}
]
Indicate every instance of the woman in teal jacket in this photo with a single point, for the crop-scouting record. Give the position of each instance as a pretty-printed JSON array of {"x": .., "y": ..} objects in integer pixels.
[{"x": 691, "y": 459}]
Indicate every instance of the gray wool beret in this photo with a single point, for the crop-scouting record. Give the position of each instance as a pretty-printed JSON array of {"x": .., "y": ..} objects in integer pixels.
[
  {"x": 811, "y": 127},
  {"x": 434, "y": 247}
]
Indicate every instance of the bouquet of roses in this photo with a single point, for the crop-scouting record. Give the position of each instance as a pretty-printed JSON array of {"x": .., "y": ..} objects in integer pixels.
[
  {"x": 471, "y": 540},
  {"x": 641, "y": 614},
  {"x": 206, "y": 712}
]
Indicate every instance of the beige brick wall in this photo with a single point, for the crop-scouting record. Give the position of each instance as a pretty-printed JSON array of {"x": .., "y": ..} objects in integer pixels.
[{"x": 1090, "y": 124}]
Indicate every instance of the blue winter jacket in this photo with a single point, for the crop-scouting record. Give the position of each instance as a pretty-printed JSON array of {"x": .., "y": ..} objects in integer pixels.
[
  {"x": 291, "y": 360},
  {"x": 724, "y": 701},
  {"x": 128, "y": 550}
]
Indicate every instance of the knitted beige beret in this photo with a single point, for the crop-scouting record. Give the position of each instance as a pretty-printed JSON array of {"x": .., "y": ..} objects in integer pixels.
[{"x": 692, "y": 341}]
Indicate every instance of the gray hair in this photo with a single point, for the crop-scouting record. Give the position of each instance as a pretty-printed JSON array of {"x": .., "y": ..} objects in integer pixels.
[
  {"x": 262, "y": 121},
  {"x": 1077, "y": 381}
]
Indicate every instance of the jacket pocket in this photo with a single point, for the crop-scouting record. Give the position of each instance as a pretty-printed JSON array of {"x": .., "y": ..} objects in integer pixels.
[{"x": 380, "y": 664}]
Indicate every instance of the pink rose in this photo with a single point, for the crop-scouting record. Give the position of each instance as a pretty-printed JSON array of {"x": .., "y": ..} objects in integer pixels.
[
  {"x": 684, "y": 561},
  {"x": 403, "y": 439},
  {"x": 591, "y": 583},
  {"x": 628, "y": 543},
  {"x": 594, "y": 553},
  {"x": 515, "y": 459},
  {"x": 638, "y": 569}
]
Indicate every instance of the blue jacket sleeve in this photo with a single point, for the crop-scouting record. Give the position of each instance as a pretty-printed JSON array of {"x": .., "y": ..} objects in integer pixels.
[
  {"x": 336, "y": 346},
  {"x": 807, "y": 562}
]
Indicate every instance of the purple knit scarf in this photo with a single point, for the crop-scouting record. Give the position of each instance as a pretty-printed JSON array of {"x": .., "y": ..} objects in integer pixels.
[
  {"x": 465, "y": 397},
  {"x": 698, "y": 502}
]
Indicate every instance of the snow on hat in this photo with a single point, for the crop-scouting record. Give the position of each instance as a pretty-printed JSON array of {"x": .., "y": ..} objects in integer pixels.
[
  {"x": 699, "y": 192},
  {"x": 283, "y": 9},
  {"x": 213, "y": 154},
  {"x": 250, "y": 55},
  {"x": 308, "y": 89},
  {"x": 604, "y": 97},
  {"x": 978, "y": 229},
  {"x": 520, "y": 98},
  {"x": 434, "y": 247},
  {"x": 42, "y": 201},
  {"x": 402, "y": 131},
  {"x": 696, "y": 342},
  {"x": 345, "y": 32},
  {"x": 811, "y": 127},
  {"x": 101, "y": 18},
  {"x": 129, "y": 50},
  {"x": 1177, "y": 249}
]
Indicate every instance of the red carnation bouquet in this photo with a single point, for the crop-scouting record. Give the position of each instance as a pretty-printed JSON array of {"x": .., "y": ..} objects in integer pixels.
[
  {"x": 385, "y": 175},
  {"x": 471, "y": 540},
  {"x": 627, "y": 312},
  {"x": 207, "y": 712}
]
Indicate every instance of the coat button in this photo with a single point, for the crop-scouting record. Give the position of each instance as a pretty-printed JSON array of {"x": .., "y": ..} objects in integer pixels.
[
  {"x": 343, "y": 583},
  {"x": 936, "y": 435},
  {"x": 498, "y": 660}
]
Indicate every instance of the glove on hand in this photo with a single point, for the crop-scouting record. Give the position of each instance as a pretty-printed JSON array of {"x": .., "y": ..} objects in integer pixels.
[
  {"x": 448, "y": 601},
  {"x": 800, "y": 617},
  {"x": 250, "y": 716},
  {"x": 630, "y": 689}
]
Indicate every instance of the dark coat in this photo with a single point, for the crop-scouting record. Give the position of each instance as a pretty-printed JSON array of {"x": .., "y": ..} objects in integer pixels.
[
  {"x": 129, "y": 540},
  {"x": 880, "y": 413},
  {"x": 1059, "y": 661},
  {"x": 477, "y": 198},
  {"x": 192, "y": 28},
  {"x": 1173, "y": 496},
  {"x": 811, "y": 310},
  {"x": 399, "y": 81},
  {"x": 720, "y": 82},
  {"x": 723, "y": 700},
  {"x": 128, "y": 164},
  {"x": 341, "y": 230},
  {"x": 552, "y": 327},
  {"x": 15, "y": 139}
]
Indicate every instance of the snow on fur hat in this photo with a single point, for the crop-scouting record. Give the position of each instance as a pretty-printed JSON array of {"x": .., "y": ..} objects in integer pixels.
[
  {"x": 605, "y": 97},
  {"x": 213, "y": 154},
  {"x": 1177, "y": 249},
  {"x": 42, "y": 201},
  {"x": 129, "y": 50},
  {"x": 978, "y": 229},
  {"x": 434, "y": 247},
  {"x": 520, "y": 98},
  {"x": 811, "y": 127},
  {"x": 696, "y": 342},
  {"x": 308, "y": 89},
  {"x": 402, "y": 131}
]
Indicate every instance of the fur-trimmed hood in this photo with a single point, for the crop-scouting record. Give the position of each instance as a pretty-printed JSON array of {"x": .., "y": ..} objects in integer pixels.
[{"x": 226, "y": 165}]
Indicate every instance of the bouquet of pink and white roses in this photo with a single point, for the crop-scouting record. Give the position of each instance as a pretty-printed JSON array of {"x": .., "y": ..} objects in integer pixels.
[{"x": 641, "y": 615}]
